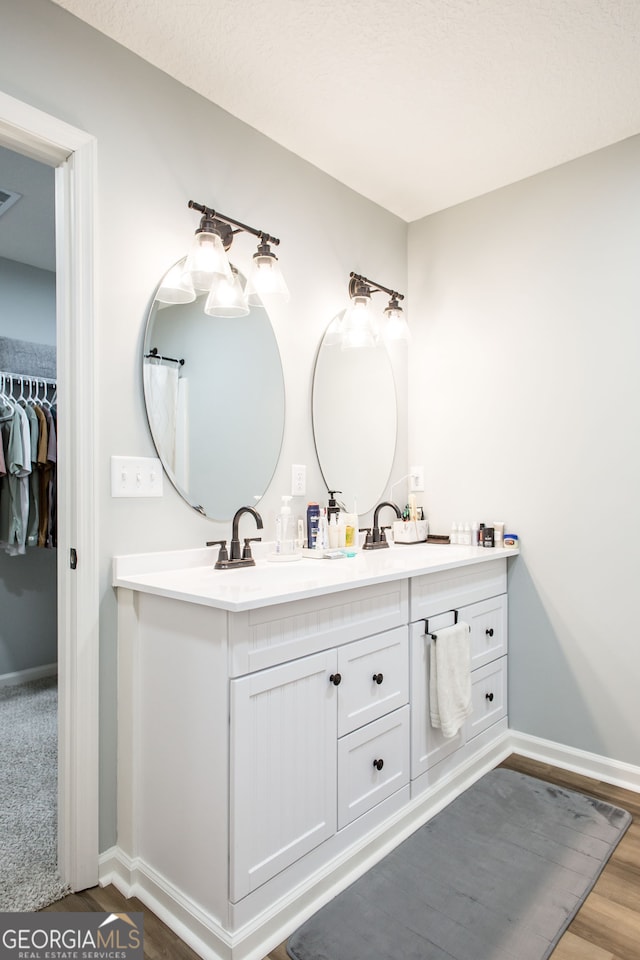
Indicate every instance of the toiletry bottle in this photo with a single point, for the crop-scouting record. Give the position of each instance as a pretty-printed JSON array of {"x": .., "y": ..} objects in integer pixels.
[
  {"x": 322, "y": 540},
  {"x": 351, "y": 530},
  {"x": 284, "y": 528},
  {"x": 313, "y": 519},
  {"x": 333, "y": 531}
]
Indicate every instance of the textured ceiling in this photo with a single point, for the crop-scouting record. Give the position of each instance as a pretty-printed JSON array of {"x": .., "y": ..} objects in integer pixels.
[{"x": 417, "y": 104}]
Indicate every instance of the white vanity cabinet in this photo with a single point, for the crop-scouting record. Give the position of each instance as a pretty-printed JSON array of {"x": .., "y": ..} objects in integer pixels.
[{"x": 268, "y": 750}]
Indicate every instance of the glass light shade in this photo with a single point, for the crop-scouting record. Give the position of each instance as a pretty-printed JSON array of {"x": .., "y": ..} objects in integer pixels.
[
  {"x": 207, "y": 260},
  {"x": 395, "y": 327},
  {"x": 227, "y": 298},
  {"x": 176, "y": 286},
  {"x": 357, "y": 325},
  {"x": 265, "y": 277}
]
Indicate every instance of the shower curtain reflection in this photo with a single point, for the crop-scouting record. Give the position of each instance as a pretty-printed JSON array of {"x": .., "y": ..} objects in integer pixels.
[{"x": 166, "y": 398}]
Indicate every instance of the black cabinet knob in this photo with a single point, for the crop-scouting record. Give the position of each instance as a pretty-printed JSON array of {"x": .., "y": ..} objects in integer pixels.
[
  {"x": 378, "y": 764},
  {"x": 489, "y": 697},
  {"x": 489, "y": 632},
  {"x": 336, "y": 679},
  {"x": 378, "y": 678}
]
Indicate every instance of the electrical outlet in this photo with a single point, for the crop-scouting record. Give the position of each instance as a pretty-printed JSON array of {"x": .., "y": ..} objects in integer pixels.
[
  {"x": 298, "y": 480},
  {"x": 136, "y": 477},
  {"x": 416, "y": 479}
]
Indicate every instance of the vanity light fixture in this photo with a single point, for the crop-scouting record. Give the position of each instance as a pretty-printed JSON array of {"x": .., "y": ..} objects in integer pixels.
[
  {"x": 359, "y": 328},
  {"x": 208, "y": 266}
]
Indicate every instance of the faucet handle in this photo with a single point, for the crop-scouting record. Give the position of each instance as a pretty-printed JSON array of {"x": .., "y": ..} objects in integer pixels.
[
  {"x": 222, "y": 554},
  {"x": 246, "y": 551}
]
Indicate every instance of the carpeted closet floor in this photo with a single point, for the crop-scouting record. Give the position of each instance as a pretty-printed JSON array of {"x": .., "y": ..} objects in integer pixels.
[{"x": 28, "y": 796}]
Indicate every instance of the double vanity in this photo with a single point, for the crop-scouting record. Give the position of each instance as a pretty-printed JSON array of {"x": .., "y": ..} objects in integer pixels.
[{"x": 274, "y": 737}]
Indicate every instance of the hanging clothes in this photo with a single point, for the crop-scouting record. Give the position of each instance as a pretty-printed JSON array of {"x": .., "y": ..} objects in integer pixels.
[{"x": 28, "y": 457}]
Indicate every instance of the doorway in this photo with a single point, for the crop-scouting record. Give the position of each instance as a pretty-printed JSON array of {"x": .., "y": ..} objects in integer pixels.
[{"x": 72, "y": 154}]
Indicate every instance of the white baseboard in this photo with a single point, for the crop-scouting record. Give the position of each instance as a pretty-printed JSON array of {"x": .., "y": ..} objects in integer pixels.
[
  {"x": 32, "y": 673},
  {"x": 587, "y": 764},
  {"x": 134, "y": 878}
]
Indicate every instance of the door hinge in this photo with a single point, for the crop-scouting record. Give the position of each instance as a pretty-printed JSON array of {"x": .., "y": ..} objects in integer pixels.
[{"x": 73, "y": 558}]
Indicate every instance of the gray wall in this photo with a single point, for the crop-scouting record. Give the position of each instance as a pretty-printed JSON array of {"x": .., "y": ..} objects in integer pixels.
[
  {"x": 526, "y": 303},
  {"x": 160, "y": 145},
  {"x": 28, "y": 584},
  {"x": 27, "y": 302}
]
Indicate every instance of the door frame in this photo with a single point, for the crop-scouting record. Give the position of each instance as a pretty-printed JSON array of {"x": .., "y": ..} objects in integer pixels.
[{"x": 72, "y": 152}]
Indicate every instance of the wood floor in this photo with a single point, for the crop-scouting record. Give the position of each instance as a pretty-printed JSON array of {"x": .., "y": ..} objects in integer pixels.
[{"x": 606, "y": 928}]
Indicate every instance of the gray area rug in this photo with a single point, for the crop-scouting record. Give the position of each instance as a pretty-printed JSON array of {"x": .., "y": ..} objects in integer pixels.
[
  {"x": 497, "y": 875},
  {"x": 29, "y": 878}
]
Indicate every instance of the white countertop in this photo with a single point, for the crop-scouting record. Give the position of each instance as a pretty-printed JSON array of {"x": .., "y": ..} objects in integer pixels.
[{"x": 189, "y": 575}]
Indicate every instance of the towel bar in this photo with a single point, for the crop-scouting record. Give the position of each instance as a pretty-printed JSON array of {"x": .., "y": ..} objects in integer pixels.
[{"x": 434, "y": 636}]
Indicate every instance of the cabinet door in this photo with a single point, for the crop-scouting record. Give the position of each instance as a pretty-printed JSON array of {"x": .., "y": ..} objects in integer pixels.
[
  {"x": 283, "y": 767},
  {"x": 428, "y": 745},
  {"x": 375, "y": 678}
]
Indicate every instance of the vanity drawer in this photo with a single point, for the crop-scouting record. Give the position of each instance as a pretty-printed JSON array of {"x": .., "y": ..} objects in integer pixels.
[
  {"x": 375, "y": 678},
  {"x": 265, "y": 636},
  {"x": 488, "y": 622},
  {"x": 373, "y": 762},
  {"x": 489, "y": 697},
  {"x": 444, "y": 590}
]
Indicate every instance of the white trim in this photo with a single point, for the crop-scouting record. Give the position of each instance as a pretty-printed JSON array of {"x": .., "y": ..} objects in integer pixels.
[
  {"x": 587, "y": 764},
  {"x": 73, "y": 153},
  {"x": 28, "y": 675}
]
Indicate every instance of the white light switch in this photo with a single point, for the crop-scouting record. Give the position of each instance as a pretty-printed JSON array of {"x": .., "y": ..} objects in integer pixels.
[
  {"x": 416, "y": 479},
  {"x": 136, "y": 477}
]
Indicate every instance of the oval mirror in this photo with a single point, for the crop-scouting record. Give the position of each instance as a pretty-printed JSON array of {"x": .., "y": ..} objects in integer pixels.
[
  {"x": 214, "y": 393},
  {"x": 355, "y": 415}
]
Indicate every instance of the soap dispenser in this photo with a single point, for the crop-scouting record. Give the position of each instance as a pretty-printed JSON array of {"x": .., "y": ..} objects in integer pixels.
[
  {"x": 333, "y": 509},
  {"x": 285, "y": 539}
]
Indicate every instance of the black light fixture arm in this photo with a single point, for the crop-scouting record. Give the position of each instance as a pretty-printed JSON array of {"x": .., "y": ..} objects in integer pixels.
[
  {"x": 214, "y": 214},
  {"x": 372, "y": 287}
]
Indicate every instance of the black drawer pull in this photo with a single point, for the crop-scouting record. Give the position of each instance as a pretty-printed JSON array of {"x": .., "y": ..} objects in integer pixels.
[
  {"x": 378, "y": 764},
  {"x": 489, "y": 632},
  {"x": 377, "y": 678},
  {"x": 336, "y": 679},
  {"x": 489, "y": 697}
]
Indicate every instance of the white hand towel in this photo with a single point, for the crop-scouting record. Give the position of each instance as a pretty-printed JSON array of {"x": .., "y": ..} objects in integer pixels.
[{"x": 450, "y": 679}]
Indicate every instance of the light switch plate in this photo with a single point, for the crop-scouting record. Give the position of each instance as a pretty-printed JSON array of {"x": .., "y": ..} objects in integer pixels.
[
  {"x": 136, "y": 477},
  {"x": 416, "y": 479}
]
